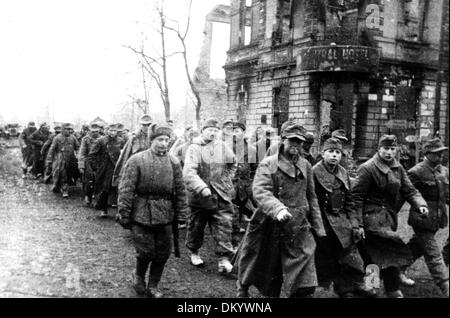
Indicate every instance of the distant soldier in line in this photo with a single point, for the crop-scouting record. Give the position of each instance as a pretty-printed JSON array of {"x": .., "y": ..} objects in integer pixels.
[
  {"x": 431, "y": 179},
  {"x": 45, "y": 148},
  {"x": 151, "y": 198},
  {"x": 337, "y": 256},
  {"x": 60, "y": 156},
  {"x": 123, "y": 133},
  {"x": 37, "y": 139},
  {"x": 246, "y": 158},
  {"x": 173, "y": 137},
  {"x": 102, "y": 158},
  {"x": 208, "y": 172},
  {"x": 26, "y": 147},
  {"x": 379, "y": 183},
  {"x": 83, "y": 132},
  {"x": 180, "y": 147},
  {"x": 306, "y": 150},
  {"x": 279, "y": 245},
  {"x": 138, "y": 142},
  {"x": 84, "y": 166}
]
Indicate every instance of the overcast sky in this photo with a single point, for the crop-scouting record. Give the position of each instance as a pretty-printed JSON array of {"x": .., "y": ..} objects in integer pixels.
[{"x": 69, "y": 55}]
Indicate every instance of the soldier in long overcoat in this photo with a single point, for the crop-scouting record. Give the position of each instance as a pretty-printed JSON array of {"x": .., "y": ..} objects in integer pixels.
[
  {"x": 337, "y": 256},
  {"x": 279, "y": 245},
  {"x": 151, "y": 197},
  {"x": 379, "y": 184},
  {"x": 46, "y": 147},
  {"x": 431, "y": 179},
  {"x": 84, "y": 166},
  {"x": 138, "y": 142},
  {"x": 103, "y": 157},
  {"x": 60, "y": 157},
  {"x": 208, "y": 172},
  {"x": 26, "y": 147},
  {"x": 247, "y": 163},
  {"x": 37, "y": 139}
]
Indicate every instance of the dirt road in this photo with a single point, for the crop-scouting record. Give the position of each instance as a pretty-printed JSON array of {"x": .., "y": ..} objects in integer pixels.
[{"x": 50, "y": 247}]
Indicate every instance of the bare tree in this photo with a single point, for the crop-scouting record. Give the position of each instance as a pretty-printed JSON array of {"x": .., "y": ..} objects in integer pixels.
[
  {"x": 156, "y": 64},
  {"x": 181, "y": 35}
]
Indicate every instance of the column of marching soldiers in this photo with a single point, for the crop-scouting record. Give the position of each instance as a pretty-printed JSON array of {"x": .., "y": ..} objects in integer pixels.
[{"x": 309, "y": 221}]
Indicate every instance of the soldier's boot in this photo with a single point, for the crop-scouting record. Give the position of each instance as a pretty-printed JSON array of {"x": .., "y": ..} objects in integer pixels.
[
  {"x": 153, "y": 290},
  {"x": 225, "y": 265},
  {"x": 139, "y": 284},
  {"x": 242, "y": 290},
  {"x": 87, "y": 200},
  {"x": 65, "y": 191},
  {"x": 406, "y": 281},
  {"x": 365, "y": 291},
  {"x": 444, "y": 288},
  {"x": 196, "y": 260},
  {"x": 139, "y": 276}
]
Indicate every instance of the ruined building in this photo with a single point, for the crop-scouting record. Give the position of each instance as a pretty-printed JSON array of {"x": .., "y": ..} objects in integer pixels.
[
  {"x": 209, "y": 76},
  {"x": 368, "y": 66}
]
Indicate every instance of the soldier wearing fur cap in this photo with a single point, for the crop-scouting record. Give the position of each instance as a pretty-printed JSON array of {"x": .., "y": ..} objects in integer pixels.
[
  {"x": 26, "y": 147},
  {"x": 102, "y": 158},
  {"x": 379, "y": 184},
  {"x": 337, "y": 256},
  {"x": 208, "y": 172},
  {"x": 151, "y": 198},
  {"x": 430, "y": 177}
]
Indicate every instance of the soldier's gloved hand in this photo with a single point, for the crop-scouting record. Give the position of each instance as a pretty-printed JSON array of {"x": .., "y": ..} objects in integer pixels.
[
  {"x": 423, "y": 211},
  {"x": 206, "y": 192},
  {"x": 358, "y": 234},
  {"x": 124, "y": 222},
  {"x": 284, "y": 216}
]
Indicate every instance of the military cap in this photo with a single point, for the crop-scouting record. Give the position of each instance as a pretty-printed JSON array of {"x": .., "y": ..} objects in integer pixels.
[
  {"x": 67, "y": 126},
  {"x": 309, "y": 138},
  {"x": 98, "y": 123},
  {"x": 94, "y": 126},
  {"x": 57, "y": 125},
  {"x": 43, "y": 125},
  {"x": 156, "y": 130},
  {"x": 145, "y": 120},
  {"x": 287, "y": 124},
  {"x": 31, "y": 124},
  {"x": 332, "y": 143},
  {"x": 227, "y": 122},
  {"x": 112, "y": 126},
  {"x": 294, "y": 131},
  {"x": 85, "y": 127},
  {"x": 120, "y": 127},
  {"x": 339, "y": 134},
  {"x": 240, "y": 125},
  {"x": 210, "y": 123},
  {"x": 388, "y": 141},
  {"x": 434, "y": 145}
]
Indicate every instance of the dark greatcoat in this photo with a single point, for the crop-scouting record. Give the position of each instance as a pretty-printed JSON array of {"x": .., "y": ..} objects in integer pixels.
[
  {"x": 272, "y": 252},
  {"x": 37, "y": 139},
  {"x": 376, "y": 194},
  {"x": 432, "y": 183},
  {"x": 27, "y": 152},
  {"x": 137, "y": 143},
  {"x": 338, "y": 212},
  {"x": 62, "y": 156},
  {"x": 83, "y": 162},
  {"x": 103, "y": 157}
]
